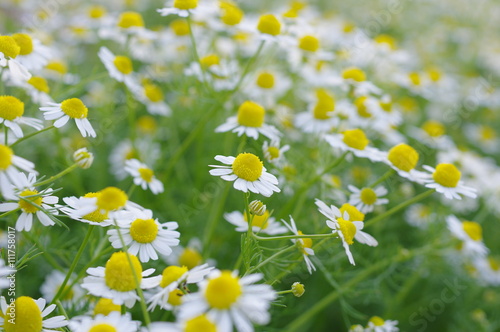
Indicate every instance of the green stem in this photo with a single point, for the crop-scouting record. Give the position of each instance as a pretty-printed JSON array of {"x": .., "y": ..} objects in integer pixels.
[
  {"x": 248, "y": 66},
  {"x": 31, "y": 135},
  {"x": 401, "y": 206},
  {"x": 47, "y": 256},
  {"x": 214, "y": 220},
  {"x": 284, "y": 292},
  {"x": 73, "y": 265},
  {"x": 384, "y": 177},
  {"x": 9, "y": 213},
  {"x": 57, "y": 176},
  {"x": 289, "y": 237},
  {"x": 270, "y": 259},
  {"x": 195, "y": 52}
]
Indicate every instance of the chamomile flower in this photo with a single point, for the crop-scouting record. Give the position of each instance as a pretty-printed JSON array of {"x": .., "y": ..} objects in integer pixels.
[
  {"x": 446, "y": 180},
  {"x": 403, "y": 159},
  {"x": 33, "y": 54},
  {"x": 143, "y": 235},
  {"x": 377, "y": 324},
  {"x": 355, "y": 141},
  {"x": 167, "y": 294},
  {"x": 72, "y": 108},
  {"x": 274, "y": 153},
  {"x": 38, "y": 88},
  {"x": 489, "y": 270},
  {"x": 319, "y": 117},
  {"x": 248, "y": 173},
  {"x": 85, "y": 210},
  {"x": 29, "y": 201},
  {"x": 199, "y": 323},
  {"x": 53, "y": 283},
  {"x": 269, "y": 28},
  {"x": 249, "y": 121},
  {"x": 189, "y": 256},
  {"x": 365, "y": 199},
  {"x": 152, "y": 96},
  {"x": 120, "y": 68},
  {"x": 260, "y": 224},
  {"x": 143, "y": 176},
  {"x": 355, "y": 78},
  {"x": 304, "y": 244},
  {"x": 105, "y": 307},
  {"x": 11, "y": 115},
  {"x": 116, "y": 280},
  {"x": 471, "y": 235},
  {"x": 419, "y": 215},
  {"x": 233, "y": 301},
  {"x": 268, "y": 87},
  {"x": 433, "y": 134},
  {"x": 181, "y": 8},
  {"x": 115, "y": 322},
  {"x": 28, "y": 315},
  {"x": 9, "y": 170},
  {"x": 9, "y": 51},
  {"x": 346, "y": 229},
  {"x": 83, "y": 158}
]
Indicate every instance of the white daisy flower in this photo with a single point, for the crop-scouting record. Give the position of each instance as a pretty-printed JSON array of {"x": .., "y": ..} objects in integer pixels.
[
  {"x": 189, "y": 256},
  {"x": 377, "y": 324},
  {"x": 116, "y": 280},
  {"x": 260, "y": 224},
  {"x": 220, "y": 74},
  {"x": 355, "y": 78},
  {"x": 367, "y": 198},
  {"x": 9, "y": 173},
  {"x": 432, "y": 133},
  {"x": 470, "y": 233},
  {"x": 268, "y": 87},
  {"x": 33, "y": 54},
  {"x": 142, "y": 149},
  {"x": 143, "y": 176},
  {"x": 247, "y": 172},
  {"x": 9, "y": 51},
  {"x": 143, "y": 235},
  {"x": 182, "y": 8},
  {"x": 305, "y": 244},
  {"x": 319, "y": 117},
  {"x": 446, "y": 180},
  {"x": 355, "y": 141},
  {"x": 29, "y": 315},
  {"x": 152, "y": 96},
  {"x": 249, "y": 121},
  {"x": 85, "y": 210},
  {"x": 346, "y": 229},
  {"x": 403, "y": 159},
  {"x": 11, "y": 115},
  {"x": 28, "y": 201},
  {"x": 53, "y": 283},
  {"x": 199, "y": 323},
  {"x": 38, "y": 89},
  {"x": 120, "y": 68},
  {"x": 83, "y": 158},
  {"x": 115, "y": 321},
  {"x": 72, "y": 108},
  {"x": 274, "y": 153},
  {"x": 230, "y": 301},
  {"x": 489, "y": 270},
  {"x": 167, "y": 294}
]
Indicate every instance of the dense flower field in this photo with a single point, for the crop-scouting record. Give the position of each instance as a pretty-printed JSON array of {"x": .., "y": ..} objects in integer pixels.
[{"x": 202, "y": 166}]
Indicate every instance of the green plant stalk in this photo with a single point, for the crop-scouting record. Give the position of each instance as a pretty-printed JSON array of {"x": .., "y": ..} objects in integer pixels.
[
  {"x": 9, "y": 212},
  {"x": 401, "y": 206},
  {"x": 73, "y": 265},
  {"x": 47, "y": 256},
  {"x": 214, "y": 220},
  {"x": 31, "y": 135},
  {"x": 270, "y": 259},
  {"x": 290, "y": 237},
  {"x": 384, "y": 177},
  {"x": 57, "y": 176}
]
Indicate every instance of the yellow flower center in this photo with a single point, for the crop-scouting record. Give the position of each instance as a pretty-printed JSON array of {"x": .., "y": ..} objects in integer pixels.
[
  {"x": 348, "y": 27},
  {"x": 414, "y": 78},
  {"x": 96, "y": 12},
  {"x": 386, "y": 106},
  {"x": 377, "y": 321},
  {"x": 447, "y": 175},
  {"x": 354, "y": 74},
  {"x": 147, "y": 124},
  {"x": 26, "y": 206},
  {"x": 324, "y": 105},
  {"x": 353, "y": 212},
  {"x": 123, "y": 64},
  {"x": 209, "y": 60},
  {"x": 175, "y": 297},
  {"x": 59, "y": 67},
  {"x": 494, "y": 264},
  {"x": 153, "y": 92},
  {"x": 269, "y": 24},
  {"x": 368, "y": 196},
  {"x": 487, "y": 133},
  {"x": 111, "y": 198},
  {"x": 361, "y": 107},
  {"x": 355, "y": 139},
  {"x": 251, "y": 114},
  {"x": 348, "y": 230},
  {"x": 274, "y": 152},
  {"x": 259, "y": 221},
  {"x": 265, "y": 80},
  {"x": 146, "y": 174},
  {"x": 180, "y": 27},
  {"x": 185, "y": 4},
  {"x": 198, "y": 324},
  {"x": 11, "y": 108},
  {"x": 39, "y": 83},
  {"x": 306, "y": 242},
  {"x": 26, "y": 316},
  {"x": 473, "y": 229},
  {"x": 9, "y": 47},
  {"x": 118, "y": 274},
  {"x": 223, "y": 291},
  {"x": 433, "y": 128},
  {"x": 171, "y": 274},
  {"x": 105, "y": 307},
  {"x": 25, "y": 43},
  {"x": 309, "y": 43},
  {"x": 386, "y": 39},
  {"x": 103, "y": 327},
  {"x": 95, "y": 216},
  {"x": 74, "y": 108},
  {"x": 294, "y": 10},
  {"x": 403, "y": 156},
  {"x": 130, "y": 19},
  {"x": 247, "y": 166},
  {"x": 190, "y": 258},
  {"x": 231, "y": 14},
  {"x": 434, "y": 74},
  {"x": 144, "y": 230}
]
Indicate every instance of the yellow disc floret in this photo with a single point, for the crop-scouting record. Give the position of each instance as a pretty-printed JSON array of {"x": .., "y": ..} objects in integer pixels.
[
  {"x": 251, "y": 114},
  {"x": 274, "y": 152},
  {"x": 447, "y": 175},
  {"x": 473, "y": 229},
  {"x": 144, "y": 230},
  {"x": 185, "y": 4},
  {"x": 11, "y": 108},
  {"x": 105, "y": 307},
  {"x": 414, "y": 78},
  {"x": 153, "y": 92},
  {"x": 6, "y": 155},
  {"x": 259, "y": 221},
  {"x": 403, "y": 156},
  {"x": 354, "y": 74},
  {"x": 324, "y": 106},
  {"x": 24, "y": 316},
  {"x": 130, "y": 19},
  {"x": 180, "y": 27},
  {"x": 269, "y": 24},
  {"x": 96, "y": 12},
  {"x": 247, "y": 166},
  {"x": 223, "y": 291},
  {"x": 25, "y": 43},
  {"x": 361, "y": 107},
  {"x": 171, "y": 274},
  {"x": 348, "y": 230},
  {"x": 198, "y": 324},
  {"x": 377, "y": 321},
  {"x": 231, "y": 14},
  {"x": 146, "y": 174},
  {"x": 111, "y": 198},
  {"x": 123, "y": 64},
  {"x": 353, "y": 212},
  {"x": 190, "y": 258},
  {"x": 355, "y": 138},
  {"x": 39, "y": 83},
  {"x": 95, "y": 216},
  {"x": 309, "y": 43},
  {"x": 9, "y": 47},
  {"x": 368, "y": 196},
  {"x": 175, "y": 297},
  {"x": 118, "y": 274},
  {"x": 210, "y": 60},
  {"x": 103, "y": 327},
  {"x": 265, "y": 80},
  {"x": 305, "y": 242},
  {"x": 58, "y": 67},
  {"x": 386, "y": 39},
  {"x": 433, "y": 128},
  {"x": 25, "y": 205},
  {"x": 74, "y": 108}
]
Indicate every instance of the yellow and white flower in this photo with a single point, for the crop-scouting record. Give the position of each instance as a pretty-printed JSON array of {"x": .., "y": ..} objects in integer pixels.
[
  {"x": 260, "y": 224},
  {"x": 120, "y": 68},
  {"x": 53, "y": 283},
  {"x": 33, "y": 54},
  {"x": 267, "y": 86},
  {"x": 9, "y": 51},
  {"x": 182, "y": 8},
  {"x": 365, "y": 199},
  {"x": 471, "y": 235},
  {"x": 9, "y": 170},
  {"x": 72, "y": 108},
  {"x": 152, "y": 96},
  {"x": 355, "y": 141},
  {"x": 114, "y": 322},
  {"x": 274, "y": 153},
  {"x": 143, "y": 176},
  {"x": 403, "y": 159},
  {"x": 11, "y": 116},
  {"x": 377, "y": 324},
  {"x": 248, "y": 173},
  {"x": 304, "y": 244},
  {"x": 319, "y": 118},
  {"x": 205, "y": 323},
  {"x": 446, "y": 180}
]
